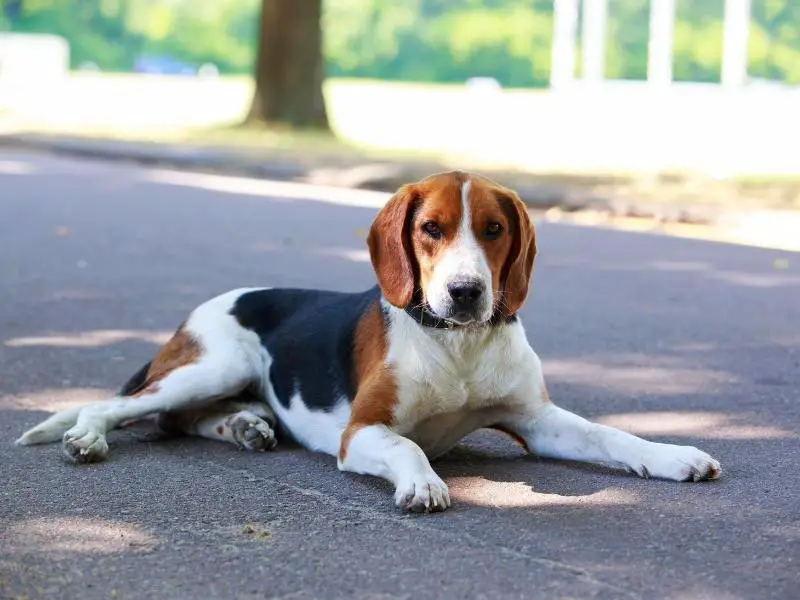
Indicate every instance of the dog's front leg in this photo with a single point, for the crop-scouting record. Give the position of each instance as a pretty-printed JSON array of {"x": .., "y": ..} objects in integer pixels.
[
  {"x": 551, "y": 431},
  {"x": 377, "y": 450},
  {"x": 557, "y": 433}
]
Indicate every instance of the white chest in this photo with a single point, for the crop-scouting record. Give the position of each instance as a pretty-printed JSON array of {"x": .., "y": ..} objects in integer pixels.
[{"x": 450, "y": 375}]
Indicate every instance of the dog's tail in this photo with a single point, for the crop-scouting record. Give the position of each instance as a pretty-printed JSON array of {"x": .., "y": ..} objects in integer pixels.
[{"x": 53, "y": 428}]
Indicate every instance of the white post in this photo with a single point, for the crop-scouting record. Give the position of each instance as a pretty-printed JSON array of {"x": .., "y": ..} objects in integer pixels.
[
  {"x": 595, "y": 16},
  {"x": 734, "y": 52},
  {"x": 659, "y": 47},
  {"x": 565, "y": 25}
]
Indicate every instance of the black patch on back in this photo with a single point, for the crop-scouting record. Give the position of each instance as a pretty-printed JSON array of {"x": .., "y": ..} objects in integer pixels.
[
  {"x": 136, "y": 382},
  {"x": 309, "y": 335}
]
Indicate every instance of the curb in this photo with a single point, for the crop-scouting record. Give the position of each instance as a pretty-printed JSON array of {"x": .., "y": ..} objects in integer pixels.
[{"x": 373, "y": 176}]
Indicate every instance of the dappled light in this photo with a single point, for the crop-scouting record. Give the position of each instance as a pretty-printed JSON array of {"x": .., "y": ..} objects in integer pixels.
[
  {"x": 481, "y": 491},
  {"x": 277, "y": 191},
  {"x": 695, "y": 424},
  {"x": 648, "y": 380},
  {"x": 158, "y": 155},
  {"x": 89, "y": 339},
  {"x": 16, "y": 167},
  {"x": 60, "y": 536},
  {"x": 55, "y": 399},
  {"x": 345, "y": 253}
]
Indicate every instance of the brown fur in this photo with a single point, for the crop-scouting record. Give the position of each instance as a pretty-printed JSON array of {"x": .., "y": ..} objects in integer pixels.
[
  {"x": 182, "y": 349},
  {"x": 513, "y": 435},
  {"x": 515, "y": 275},
  {"x": 404, "y": 256},
  {"x": 377, "y": 391},
  {"x": 487, "y": 202},
  {"x": 441, "y": 204},
  {"x": 389, "y": 247}
]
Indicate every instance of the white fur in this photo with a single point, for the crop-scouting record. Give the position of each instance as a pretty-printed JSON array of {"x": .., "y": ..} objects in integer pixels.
[
  {"x": 557, "y": 433},
  {"x": 463, "y": 260},
  {"x": 230, "y": 355},
  {"x": 316, "y": 430},
  {"x": 452, "y": 382},
  {"x": 449, "y": 383},
  {"x": 377, "y": 450}
]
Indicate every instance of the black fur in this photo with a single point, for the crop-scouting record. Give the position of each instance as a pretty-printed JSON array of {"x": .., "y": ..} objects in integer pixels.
[
  {"x": 309, "y": 334},
  {"x": 136, "y": 382}
]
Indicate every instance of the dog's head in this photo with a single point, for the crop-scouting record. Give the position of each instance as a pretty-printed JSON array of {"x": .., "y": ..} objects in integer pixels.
[{"x": 459, "y": 243}]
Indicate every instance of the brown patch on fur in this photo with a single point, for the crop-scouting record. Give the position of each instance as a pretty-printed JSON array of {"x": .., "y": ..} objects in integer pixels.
[
  {"x": 513, "y": 435},
  {"x": 511, "y": 255},
  {"x": 220, "y": 429},
  {"x": 404, "y": 255},
  {"x": 486, "y": 204},
  {"x": 377, "y": 390},
  {"x": 401, "y": 253},
  {"x": 441, "y": 205},
  {"x": 182, "y": 349},
  {"x": 389, "y": 248}
]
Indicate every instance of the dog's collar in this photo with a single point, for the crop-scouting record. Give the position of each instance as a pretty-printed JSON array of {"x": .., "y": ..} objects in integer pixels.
[
  {"x": 421, "y": 314},
  {"x": 424, "y": 316}
]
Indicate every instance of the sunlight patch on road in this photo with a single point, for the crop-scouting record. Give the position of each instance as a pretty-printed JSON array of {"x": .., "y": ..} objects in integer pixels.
[
  {"x": 638, "y": 380},
  {"x": 16, "y": 167},
  {"x": 346, "y": 253},
  {"x": 281, "y": 191},
  {"x": 55, "y": 399},
  {"x": 516, "y": 494},
  {"x": 90, "y": 339},
  {"x": 65, "y": 536},
  {"x": 707, "y": 425}
]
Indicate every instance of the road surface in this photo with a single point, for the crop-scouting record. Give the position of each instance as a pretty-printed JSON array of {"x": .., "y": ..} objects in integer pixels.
[{"x": 680, "y": 341}]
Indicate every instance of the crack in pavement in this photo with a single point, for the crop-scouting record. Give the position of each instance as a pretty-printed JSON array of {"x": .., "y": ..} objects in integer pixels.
[{"x": 410, "y": 522}]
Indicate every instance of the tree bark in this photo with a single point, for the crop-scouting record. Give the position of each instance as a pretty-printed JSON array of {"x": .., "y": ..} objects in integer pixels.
[{"x": 289, "y": 69}]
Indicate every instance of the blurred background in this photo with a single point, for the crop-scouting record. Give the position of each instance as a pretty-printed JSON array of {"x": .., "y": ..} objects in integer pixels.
[{"x": 601, "y": 88}]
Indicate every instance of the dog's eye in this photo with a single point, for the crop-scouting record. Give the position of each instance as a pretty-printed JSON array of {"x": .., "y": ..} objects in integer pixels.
[
  {"x": 432, "y": 229},
  {"x": 493, "y": 231}
]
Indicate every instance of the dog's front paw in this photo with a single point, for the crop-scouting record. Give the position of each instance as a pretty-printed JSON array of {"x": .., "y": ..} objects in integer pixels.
[
  {"x": 252, "y": 433},
  {"x": 82, "y": 445},
  {"x": 423, "y": 492},
  {"x": 678, "y": 463}
]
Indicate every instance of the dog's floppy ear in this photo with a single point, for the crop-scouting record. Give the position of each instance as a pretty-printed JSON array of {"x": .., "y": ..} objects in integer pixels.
[
  {"x": 390, "y": 247},
  {"x": 516, "y": 274}
]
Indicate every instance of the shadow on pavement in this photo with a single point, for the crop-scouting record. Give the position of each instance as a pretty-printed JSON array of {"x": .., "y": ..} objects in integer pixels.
[{"x": 681, "y": 341}]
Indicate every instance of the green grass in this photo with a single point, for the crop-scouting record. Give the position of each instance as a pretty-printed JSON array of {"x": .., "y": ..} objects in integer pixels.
[{"x": 631, "y": 144}]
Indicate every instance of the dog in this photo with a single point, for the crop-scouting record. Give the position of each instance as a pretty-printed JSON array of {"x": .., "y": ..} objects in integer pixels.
[{"x": 384, "y": 380}]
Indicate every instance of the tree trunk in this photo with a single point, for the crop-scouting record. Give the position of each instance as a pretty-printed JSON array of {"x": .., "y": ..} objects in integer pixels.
[{"x": 289, "y": 66}]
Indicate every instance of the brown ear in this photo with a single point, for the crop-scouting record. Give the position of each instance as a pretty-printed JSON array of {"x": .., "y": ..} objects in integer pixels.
[
  {"x": 390, "y": 248},
  {"x": 516, "y": 274}
]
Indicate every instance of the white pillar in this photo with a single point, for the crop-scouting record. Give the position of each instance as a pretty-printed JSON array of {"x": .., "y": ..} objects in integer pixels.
[
  {"x": 593, "y": 36},
  {"x": 734, "y": 48},
  {"x": 659, "y": 47},
  {"x": 565, "y": 25}
]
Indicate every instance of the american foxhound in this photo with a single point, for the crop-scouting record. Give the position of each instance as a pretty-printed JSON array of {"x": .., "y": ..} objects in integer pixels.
[{"x": 383, "y": 379}]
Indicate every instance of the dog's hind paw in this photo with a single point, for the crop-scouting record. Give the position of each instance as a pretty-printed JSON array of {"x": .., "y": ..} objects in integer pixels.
[
  {"x": 251, "y": 432},
  {"x": 84, "y": 446}
]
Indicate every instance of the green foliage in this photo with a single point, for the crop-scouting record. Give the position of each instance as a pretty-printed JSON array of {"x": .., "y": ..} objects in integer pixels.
[{"x": 411, "y": 40}]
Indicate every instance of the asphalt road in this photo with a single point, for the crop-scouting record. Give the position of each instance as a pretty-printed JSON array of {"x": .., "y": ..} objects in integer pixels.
[{"x": 681, "y": 341}]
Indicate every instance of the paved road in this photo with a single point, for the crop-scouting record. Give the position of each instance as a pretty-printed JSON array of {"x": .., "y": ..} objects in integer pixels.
[{"x": 682, "y": 341}]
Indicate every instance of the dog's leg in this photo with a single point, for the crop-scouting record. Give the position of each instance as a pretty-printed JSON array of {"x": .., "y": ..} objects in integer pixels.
[
  {"x": 194, "y": 385},
  {"x": 376, "y": 450},
  {"x": 551, "y": 431},
  {"x": 248, "y": 425}
]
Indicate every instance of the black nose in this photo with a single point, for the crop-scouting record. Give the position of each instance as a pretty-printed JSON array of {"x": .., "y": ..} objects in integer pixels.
[{"x": 465, "y": 294}]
